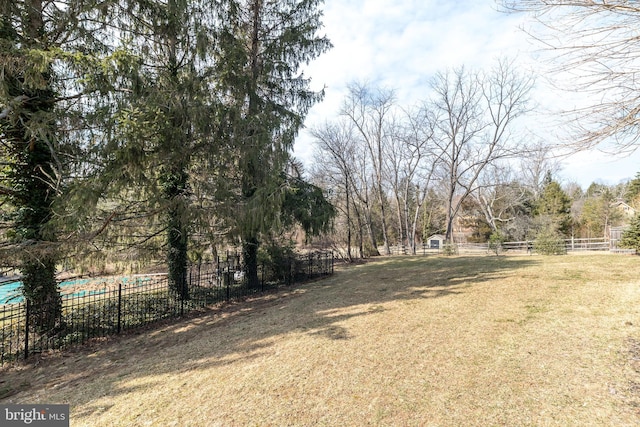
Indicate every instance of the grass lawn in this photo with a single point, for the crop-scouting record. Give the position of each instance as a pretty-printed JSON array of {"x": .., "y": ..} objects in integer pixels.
[{"x": 401, "y": 341}]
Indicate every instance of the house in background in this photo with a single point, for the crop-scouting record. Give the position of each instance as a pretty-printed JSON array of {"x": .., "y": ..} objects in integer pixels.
[{"x": 627, "y": 211}]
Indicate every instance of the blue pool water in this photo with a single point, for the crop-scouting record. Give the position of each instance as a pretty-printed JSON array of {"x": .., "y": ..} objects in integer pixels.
[{"x": 10, "y": 293}]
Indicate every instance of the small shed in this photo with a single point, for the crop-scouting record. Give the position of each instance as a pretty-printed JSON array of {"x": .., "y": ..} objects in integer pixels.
[{"x": 436, "y": 241}]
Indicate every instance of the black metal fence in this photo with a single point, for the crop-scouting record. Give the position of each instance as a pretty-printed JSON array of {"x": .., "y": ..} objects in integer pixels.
[{"x": 142, "y": 300}]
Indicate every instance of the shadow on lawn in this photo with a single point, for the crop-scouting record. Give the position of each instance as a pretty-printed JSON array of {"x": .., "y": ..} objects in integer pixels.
[{"x": 245, "y": 331}]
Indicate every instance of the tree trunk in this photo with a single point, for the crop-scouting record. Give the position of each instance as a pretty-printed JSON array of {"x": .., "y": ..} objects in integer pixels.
[
  {"x": 176, "y": 178},
  {"x": 177, "y": 231},
  {"x": 348, "y": 212},
  {"x": 34, "y": 199},
  {"x": 385, "y": 238},
  {"x": 250, "y": 256},
  {"x": 414, "y": 222},
  {"x": 399, "y": 215},
  {"x": 411, "y": 235},
  {"x": 40, "y": 288},
  {"x": 449, "y": 232},
  {"x": 31, "y": 178},
  {"x": 372, "y": 237},
  {"x": 360, "y": 232}
]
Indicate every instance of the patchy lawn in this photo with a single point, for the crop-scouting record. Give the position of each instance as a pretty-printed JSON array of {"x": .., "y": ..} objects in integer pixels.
[{"x": 403, "y": 341}]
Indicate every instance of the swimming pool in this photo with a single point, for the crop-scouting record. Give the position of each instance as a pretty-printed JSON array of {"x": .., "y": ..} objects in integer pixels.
[{"x": 11, "y": 293}]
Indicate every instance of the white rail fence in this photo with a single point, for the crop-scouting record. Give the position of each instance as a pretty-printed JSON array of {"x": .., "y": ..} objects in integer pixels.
[{"x": 527, "y": 246}]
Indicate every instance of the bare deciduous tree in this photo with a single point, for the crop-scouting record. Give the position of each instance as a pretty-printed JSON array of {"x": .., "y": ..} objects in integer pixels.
[
  {"x": 343, "y": 162},
  {"x": 535, "y": 164},
  {"x": 334, "y": 160},
  {"x": 369, "y": 110},
  {"x": 417, "y": 165},
  {"x": 474, "y": 114},
  {"x": 596, "y": 45},
  {"x": 500, "y": 196}
]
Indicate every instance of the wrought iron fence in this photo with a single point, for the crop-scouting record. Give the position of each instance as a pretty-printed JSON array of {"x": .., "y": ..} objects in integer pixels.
[{"x": 141, "y": 300}]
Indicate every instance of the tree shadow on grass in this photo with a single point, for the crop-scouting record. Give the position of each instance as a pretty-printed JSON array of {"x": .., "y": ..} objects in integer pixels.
[{"x": 240, "y": 332}]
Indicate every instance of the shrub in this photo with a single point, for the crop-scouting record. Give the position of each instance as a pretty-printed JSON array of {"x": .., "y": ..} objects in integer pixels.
[
  {"x": 496, "y": 240},
  {"x": 277, "y": 260},
  {"x": 548, "y": 242},
  {"x": 631, "y": 237},
  {"x": 450, "y": 249}
]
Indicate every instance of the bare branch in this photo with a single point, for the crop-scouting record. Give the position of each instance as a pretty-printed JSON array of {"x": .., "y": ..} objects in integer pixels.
[{"x": 595, "y": 49}]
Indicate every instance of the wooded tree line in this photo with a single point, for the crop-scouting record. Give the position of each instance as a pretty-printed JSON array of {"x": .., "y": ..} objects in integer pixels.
[
  {"x": 133, "y": 128},
  {"x": 398, "y": 175}
]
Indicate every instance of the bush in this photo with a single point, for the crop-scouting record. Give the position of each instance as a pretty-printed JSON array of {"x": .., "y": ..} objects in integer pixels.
[
  {"x": 450, "y": 249},
  {"x": 496, "y": 240},
  {"x": 277, "y": 260},
  {"x": 549, "y": 242}
]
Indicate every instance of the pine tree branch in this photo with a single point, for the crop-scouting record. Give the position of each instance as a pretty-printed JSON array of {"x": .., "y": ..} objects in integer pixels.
[
  {"x": 104, "y": 226},
  {"x": 6, "y": 191}
]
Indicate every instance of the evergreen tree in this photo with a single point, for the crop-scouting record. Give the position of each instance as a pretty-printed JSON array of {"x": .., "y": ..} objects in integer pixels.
[
  {"x": 631, "y": 236},
  {"x": 554, "y": 207},
  {"x": 168, "y": 131},
  {"x": 55, "y": 68},
  {"x": 549, "y": 242},
  {"x": 304, "y": 204},
  {"x": 261, "y": 46},
  {"x": 598, "y": 214},
  {"x": 632, "y": 195}
]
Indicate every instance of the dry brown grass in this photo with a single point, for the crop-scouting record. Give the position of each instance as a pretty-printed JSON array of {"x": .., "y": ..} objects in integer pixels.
[{"x": 484, "y": 341}]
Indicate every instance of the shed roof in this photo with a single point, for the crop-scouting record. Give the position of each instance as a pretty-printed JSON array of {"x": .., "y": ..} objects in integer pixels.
[{"x": 437, "y": 237}]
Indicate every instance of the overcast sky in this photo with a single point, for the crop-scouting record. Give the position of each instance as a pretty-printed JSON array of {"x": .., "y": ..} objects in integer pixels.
[{"x": 400, "y": 44}]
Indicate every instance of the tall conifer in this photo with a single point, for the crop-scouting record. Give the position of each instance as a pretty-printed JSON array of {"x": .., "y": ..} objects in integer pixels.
[
  {"x": 55, "y": 67},
  {"x": 262, "y": 46},
  {"x": 170, "y": 123}
]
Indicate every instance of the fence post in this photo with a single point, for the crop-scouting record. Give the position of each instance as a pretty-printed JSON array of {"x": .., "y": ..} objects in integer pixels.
[
  {"x": 26, "y": 328},
  {"x": 218, "y": 271},
  {"x": 183, "y": 292},
  {"x": 119, "y": 306},
  {"x": 332, "y": 260},
  {"x": 227, "y": 279},
  {"x": 325, "y": 264}
]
